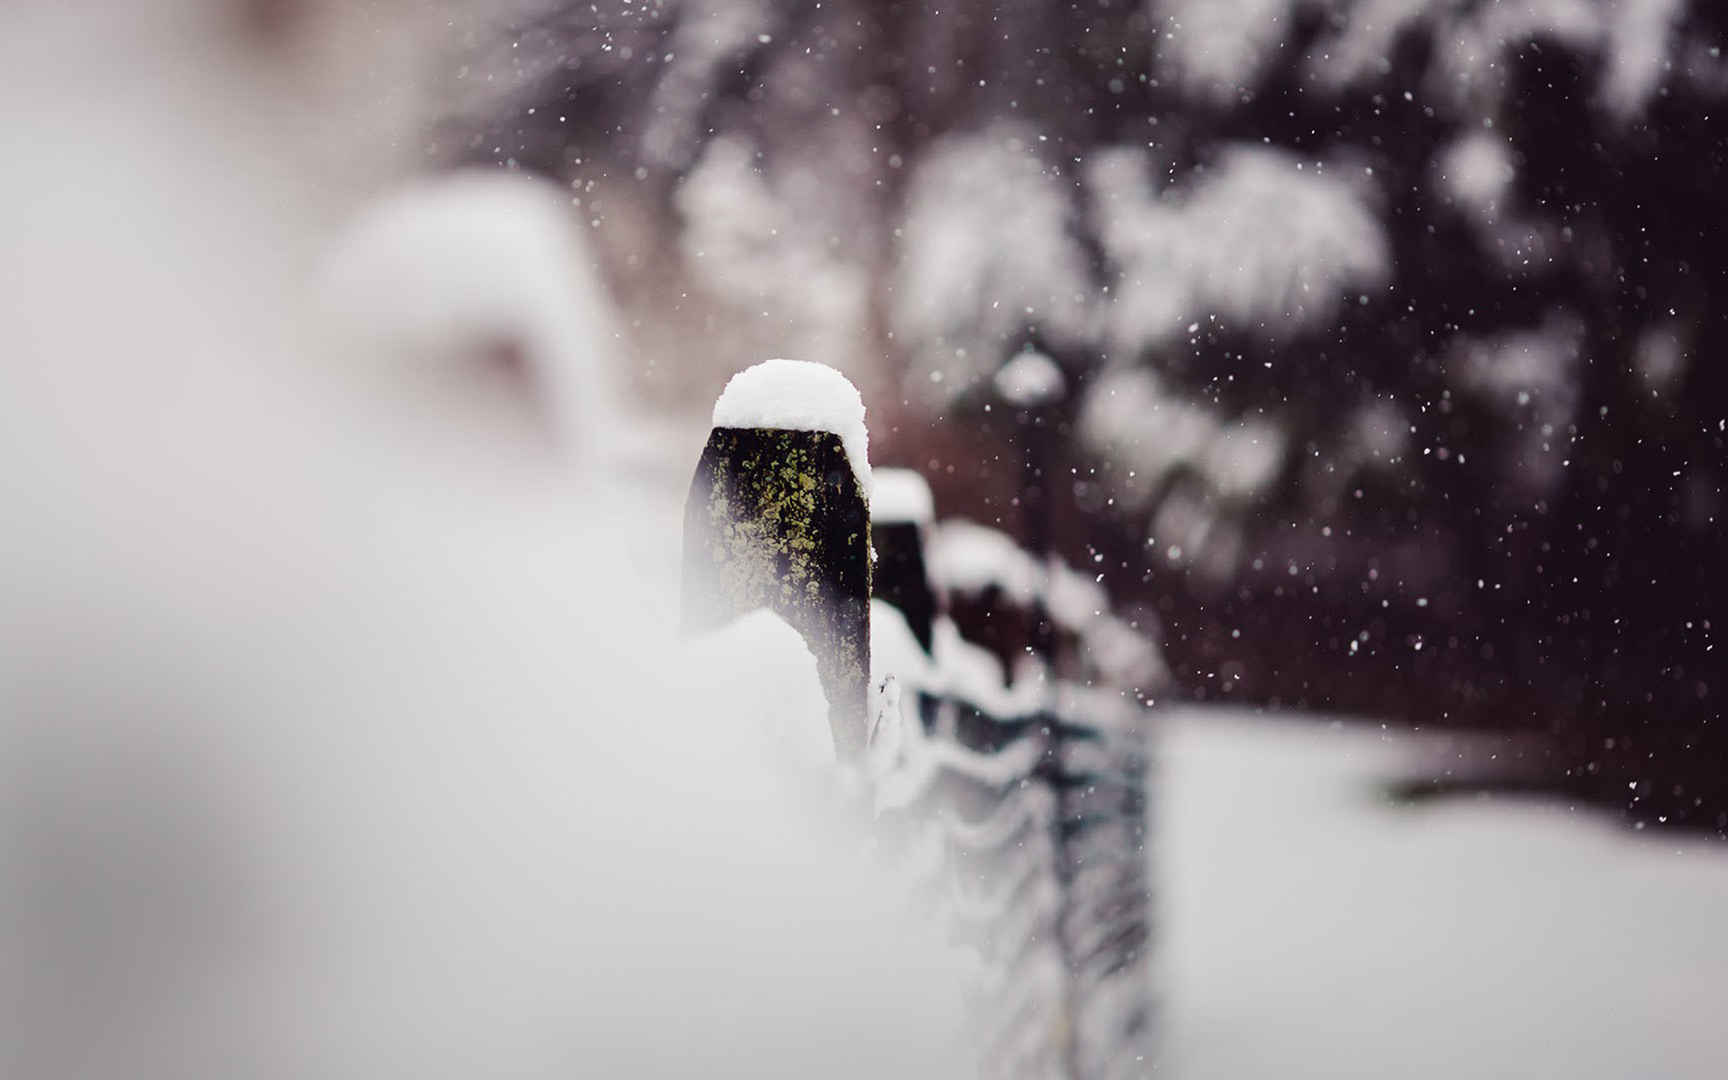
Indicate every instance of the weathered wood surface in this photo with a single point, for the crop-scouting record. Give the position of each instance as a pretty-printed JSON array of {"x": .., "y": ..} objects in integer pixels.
[{"x": 777, "y": 519}]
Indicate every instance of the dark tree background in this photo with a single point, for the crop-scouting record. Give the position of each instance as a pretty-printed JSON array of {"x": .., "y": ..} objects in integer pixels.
[{"x": 1391, "y": 328}]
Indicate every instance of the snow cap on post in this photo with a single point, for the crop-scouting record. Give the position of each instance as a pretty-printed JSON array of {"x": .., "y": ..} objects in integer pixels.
[
  {"x": 901, "y": 496},
  {"x": 799, "y": 395},
  {"x": 778, "y": 517}
]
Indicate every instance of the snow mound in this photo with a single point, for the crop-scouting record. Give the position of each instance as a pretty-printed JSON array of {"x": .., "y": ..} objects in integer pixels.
[
  {"x": 762, "y": 669},
  {"x": 901, "y": 497},
  {"x": 799, "y": 395},
  {"x": 463, "y": 272}
]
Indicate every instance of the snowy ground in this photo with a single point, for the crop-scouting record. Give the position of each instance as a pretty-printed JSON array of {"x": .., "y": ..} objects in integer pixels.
[{"x": 1315, "y": 929}]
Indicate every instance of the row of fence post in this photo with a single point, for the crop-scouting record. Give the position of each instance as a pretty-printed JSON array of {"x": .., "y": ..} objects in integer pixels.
[{"x": 1030, "y": 793}]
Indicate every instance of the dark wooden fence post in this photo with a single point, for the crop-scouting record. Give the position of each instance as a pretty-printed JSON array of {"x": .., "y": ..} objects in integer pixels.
[
  {"x": 778, "y": 517},
  {"x": 901, "y": 510}
]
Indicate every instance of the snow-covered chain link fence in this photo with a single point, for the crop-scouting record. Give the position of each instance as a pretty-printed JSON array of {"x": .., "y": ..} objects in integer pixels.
[{"x": 1032, "y": 794}]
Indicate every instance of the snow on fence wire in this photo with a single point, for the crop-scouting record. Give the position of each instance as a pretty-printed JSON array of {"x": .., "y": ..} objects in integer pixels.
[
  {"x": 1019, "y": 802},
  {"x": 1035, "y": 783}
]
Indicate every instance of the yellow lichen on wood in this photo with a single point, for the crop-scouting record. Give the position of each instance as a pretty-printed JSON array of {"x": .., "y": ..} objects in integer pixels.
[{"x": 777, "y": 519}]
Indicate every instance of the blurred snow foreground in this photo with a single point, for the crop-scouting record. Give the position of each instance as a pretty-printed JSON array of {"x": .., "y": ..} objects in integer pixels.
[
  {"x": 1444, "y": 939},
  {"x": 343, "y": 730}
]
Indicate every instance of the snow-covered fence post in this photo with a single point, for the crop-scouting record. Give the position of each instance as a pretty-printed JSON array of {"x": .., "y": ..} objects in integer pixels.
[
  {"x": 901, "y": 510},
  {"x": 778, "y": 517}
]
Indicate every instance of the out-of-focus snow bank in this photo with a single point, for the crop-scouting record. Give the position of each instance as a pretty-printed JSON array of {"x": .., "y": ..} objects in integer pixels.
[
  {"x": 1314, "y": 929},
  {"x": 340, "y": 735},
  {"x": 483, "y": 271}
]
